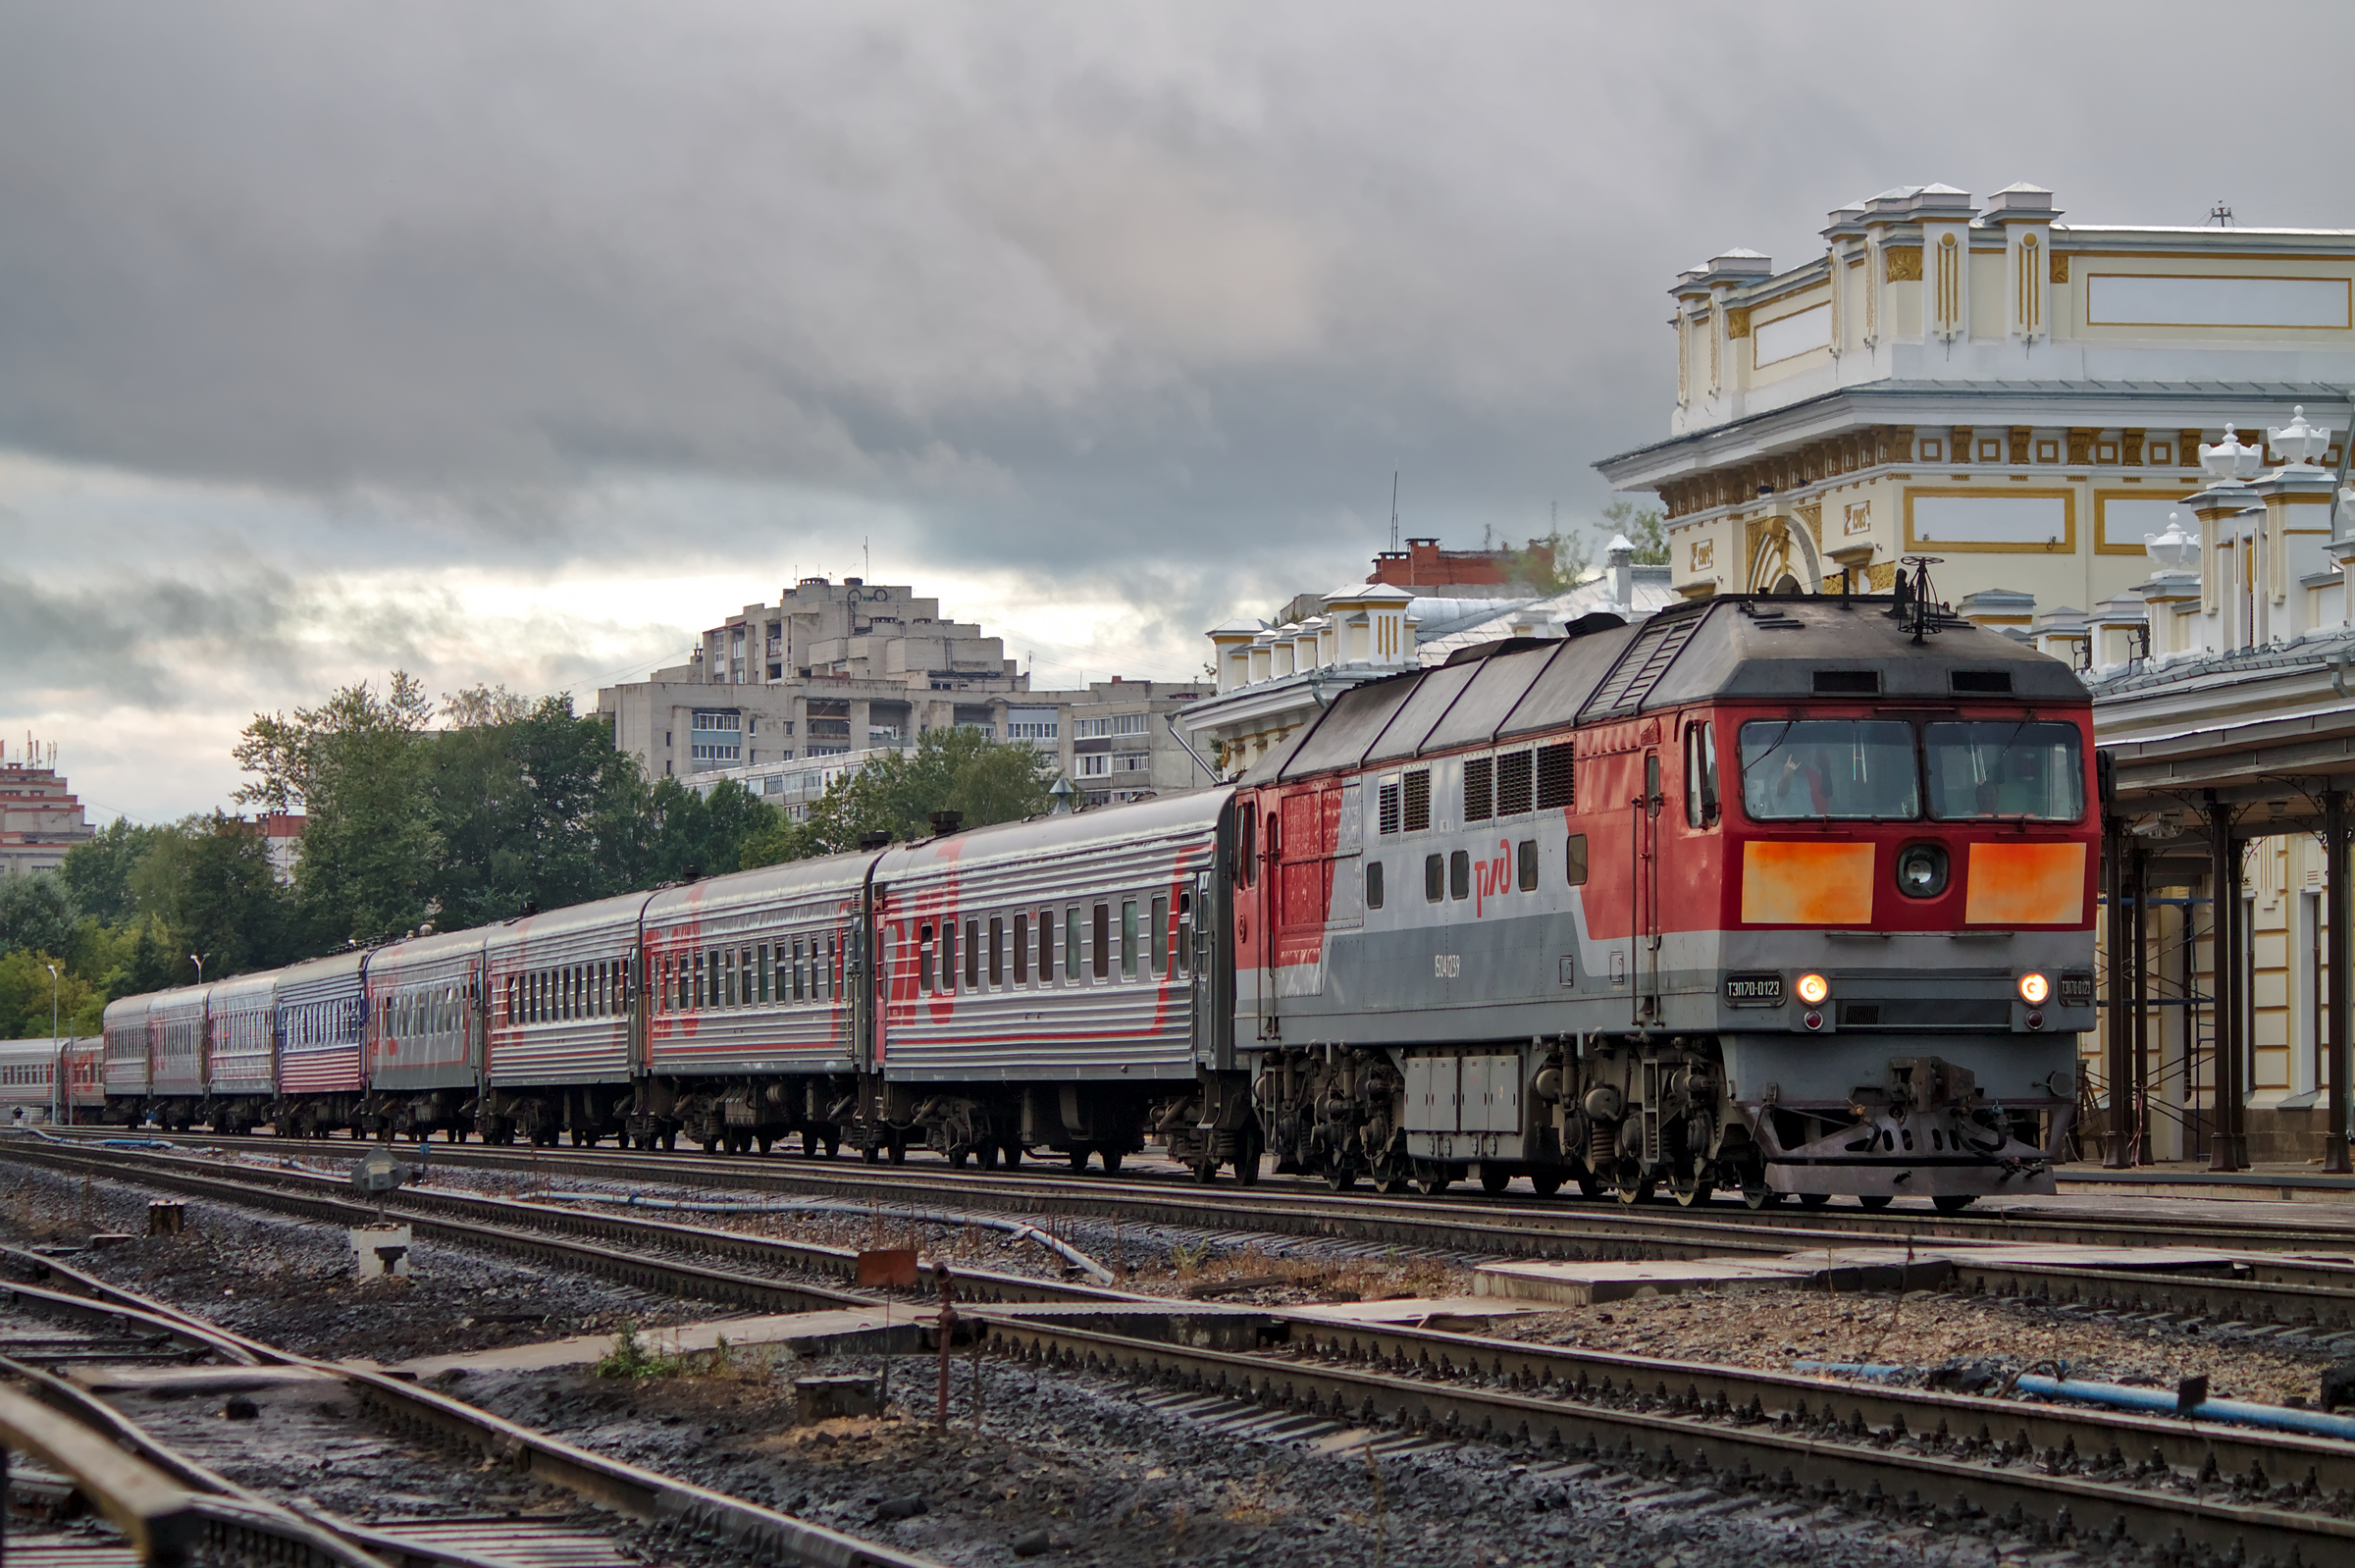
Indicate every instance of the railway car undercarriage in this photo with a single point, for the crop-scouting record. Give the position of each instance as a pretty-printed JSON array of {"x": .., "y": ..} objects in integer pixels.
[{"x": 1634, "y": 1116}]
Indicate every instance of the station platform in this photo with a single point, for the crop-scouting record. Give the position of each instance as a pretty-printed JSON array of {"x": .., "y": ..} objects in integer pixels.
[{"x": 2291, "y": 1182}]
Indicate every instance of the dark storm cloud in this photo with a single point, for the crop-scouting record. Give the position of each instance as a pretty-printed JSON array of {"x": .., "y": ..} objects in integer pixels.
[{"x": 1153, "y": 293}]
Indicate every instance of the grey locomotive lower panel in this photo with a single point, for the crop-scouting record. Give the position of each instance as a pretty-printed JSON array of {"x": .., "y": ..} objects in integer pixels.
[
  {"x": 1799, "y": 1068},
  {"x": 1503, "y": 978}
]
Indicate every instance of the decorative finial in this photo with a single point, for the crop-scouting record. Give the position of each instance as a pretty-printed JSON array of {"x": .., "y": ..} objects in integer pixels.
[
  {"x": 2299, "y": 444},
  {"x": 2229, "y": 461},
  {"x": 2173, "y": 551}
]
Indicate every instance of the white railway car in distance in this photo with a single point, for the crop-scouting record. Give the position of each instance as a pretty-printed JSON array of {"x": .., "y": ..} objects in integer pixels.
[{"x": 28, "y": 1081}]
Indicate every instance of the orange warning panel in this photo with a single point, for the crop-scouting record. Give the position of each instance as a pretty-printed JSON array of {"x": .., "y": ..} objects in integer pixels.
[
  {"x": 1809, "y": 883},
  {"x": 2025, "y": 884}
]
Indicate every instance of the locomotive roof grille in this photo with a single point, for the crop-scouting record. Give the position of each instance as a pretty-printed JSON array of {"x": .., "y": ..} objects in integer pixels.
[
  {"x": 1851, "y": 683},
  {"x": 1755, "y": 648}
]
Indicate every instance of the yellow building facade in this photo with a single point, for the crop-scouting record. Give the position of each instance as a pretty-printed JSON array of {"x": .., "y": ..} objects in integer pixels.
[{"x": 2019, "y": 397}]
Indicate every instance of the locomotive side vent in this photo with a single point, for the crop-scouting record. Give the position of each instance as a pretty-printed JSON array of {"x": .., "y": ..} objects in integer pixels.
[
  {"x": 1480, "y": 798},
  {"x": 1556, "y": 778},
  {"x": 1418, "y": 800},
  {"x": 1512, "y": 784},
  {"x": 1848, "y": 683},
  {"x": 1980, "y": 682},
  {"x": 1386, "y": 799}
]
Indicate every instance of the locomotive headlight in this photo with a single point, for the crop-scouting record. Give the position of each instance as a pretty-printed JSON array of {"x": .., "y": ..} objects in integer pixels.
[
  {"x": 2034, "y": 989},
  {"x": 1921, "y": 871},
  {"x": 1813, "y": 989}
]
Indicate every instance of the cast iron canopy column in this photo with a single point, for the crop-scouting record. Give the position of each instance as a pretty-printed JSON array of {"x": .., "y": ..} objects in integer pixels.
[{"x": 2336, "y": 892}]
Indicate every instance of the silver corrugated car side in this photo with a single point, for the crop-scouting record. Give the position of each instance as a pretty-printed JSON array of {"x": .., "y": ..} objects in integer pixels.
[
  {"x": 560, "y": 985},
  {"x": 322, "y": 1007},
  {"x": 422, "y": 997},
  {"x": 747, "y": 973},
  {"x": 241, "y": 1035},
  {"x": 175, "y": 1029},
  {"x": 1106, "y": 877},
  {"x": 124, "y": 1030}
]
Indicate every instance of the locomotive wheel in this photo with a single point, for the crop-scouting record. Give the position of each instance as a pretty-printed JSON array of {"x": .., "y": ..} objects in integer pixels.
[
  {"x": 1589, "y": 1186},
  {"x": 670, "y": 1140},
  {"x": 1246, "y": 1168},
  {"x": 1640, "y": 1193},
  {"x": 1546, "y": 1183},
  {"x": 985, "y": 1155},
  {"x": 1814, "y": 1201},
  {"x": 872, "y": 1153},
  {"x": 1394, "y": 1185},
  {"x": 1874, "y": 1200},
  {"x": 766, "y": 1139},
  {"x": 1078, "y": 1158},
  {"x": 1340, "y": 1178},
  {"x": 1112, "y": 1160},
  {"x": 1494, "y": 1179},
  {"x": 833, "y": 1143},
  {"x": 1431, "y": 1184},
  {"x": 957, "y": 1156},
  {"x": 1690, "y": 1190},
  {"x": 899, "y": 1151},
  {"x": 1760, "y": 1197},
  {"x": 1952, "y": 1202},
  {"x": 1013, "y": 1151},
  {"x": 1206, "y": 1172}
]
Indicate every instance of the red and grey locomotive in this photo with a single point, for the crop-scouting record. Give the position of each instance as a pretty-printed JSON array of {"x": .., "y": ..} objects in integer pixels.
[{"x": 1774, "y": 895}]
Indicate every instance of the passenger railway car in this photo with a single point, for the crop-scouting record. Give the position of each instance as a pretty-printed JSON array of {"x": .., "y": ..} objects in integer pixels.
[
  {"x": 1789, "y": 896},
  {"x": 29, "y": 1080},
  {"x": 1770, "y": 894}
]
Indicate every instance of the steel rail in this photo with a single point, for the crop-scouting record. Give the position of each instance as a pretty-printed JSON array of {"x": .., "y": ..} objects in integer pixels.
[
  {"x": 1508, "y": 1225},
  {"x": 2306, "y": 1294},
  {"x": 2031, "y": 1428},
  {"x": 615, "y": 1484},
  {"x": 284, "y": 1527},
  {"x": 2026, "y": 1425},
  {"x": 510, "y": 1224},
  {"x": 1712, "y": 1443}
]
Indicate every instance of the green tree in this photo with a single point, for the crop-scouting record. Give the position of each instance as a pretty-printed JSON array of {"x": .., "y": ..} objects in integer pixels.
[
  {"x": 1647, "y": 530},
  {"x": 530, "y": 804},
  {"x": 984, "y": 779},
  {"x": 97, "y": 872},
  {"x": 35, "y": 914},
  {"x": 25, "y": 994},
  {"x": 209, "y": 882},
  {"x": 1553, "y": 565},
  {"x": 356, "y": 768}
]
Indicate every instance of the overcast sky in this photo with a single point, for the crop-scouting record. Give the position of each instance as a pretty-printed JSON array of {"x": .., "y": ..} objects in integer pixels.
[{"x": 518, "y": 342}]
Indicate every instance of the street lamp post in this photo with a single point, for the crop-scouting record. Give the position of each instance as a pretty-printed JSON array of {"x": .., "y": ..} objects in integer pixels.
[{"x": 57, "y": 1057}]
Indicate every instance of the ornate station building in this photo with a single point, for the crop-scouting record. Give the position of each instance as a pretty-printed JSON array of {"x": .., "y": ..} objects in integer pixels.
[{"x": 2021, "y": 397}]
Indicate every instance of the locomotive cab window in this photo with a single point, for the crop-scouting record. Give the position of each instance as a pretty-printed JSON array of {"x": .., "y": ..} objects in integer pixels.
[
  {"x": 1836, "y": 769},
  {"x": 1459, "y": 874},
  {"x": 1373, "y": 884},
  {"x": 1435, "y": 877},
  {"x": 1528, "y": 867},
  {"x": 2004, "y": 768},
  {"x": 1246, "y": 844},
  {"x": 1700, "y": 774},
  {"x": 1574, "y": 859}
]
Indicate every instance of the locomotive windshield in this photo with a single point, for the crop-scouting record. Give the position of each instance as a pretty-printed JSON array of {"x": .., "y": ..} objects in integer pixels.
[
  {"x": 2004, "y": 768},
  {"x": 1848, "y": 769}
]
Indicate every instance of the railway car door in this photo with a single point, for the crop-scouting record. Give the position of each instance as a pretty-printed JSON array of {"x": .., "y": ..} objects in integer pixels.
[{"x": 1643, "y": 933}]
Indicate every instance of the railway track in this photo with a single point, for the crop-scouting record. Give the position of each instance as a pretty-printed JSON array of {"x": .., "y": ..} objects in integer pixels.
[
  {"x": 2313, "y": 1298},
  {"x": 1468, "y": 1221},
  {"x": 1748, "y": 1437},
  {"x": 168, "y": 1498}
]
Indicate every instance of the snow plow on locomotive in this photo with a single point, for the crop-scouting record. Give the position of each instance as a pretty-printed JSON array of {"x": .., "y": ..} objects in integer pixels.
[{"x": 1793, "y": 896}]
